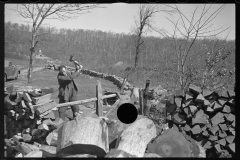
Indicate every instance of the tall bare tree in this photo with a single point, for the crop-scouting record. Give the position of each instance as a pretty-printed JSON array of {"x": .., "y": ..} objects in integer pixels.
[
  {"x": 146, "y": 13},
  {"x": 190, "y": 29},
  {"x": 37, "y": 13}
]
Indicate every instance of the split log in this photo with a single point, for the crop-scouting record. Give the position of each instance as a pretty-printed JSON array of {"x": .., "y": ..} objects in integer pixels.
[
  {"x": 179, "y": 118},
  {"x": 194, "y": 89},
  {"x": 222, "y": 134},
  {"x": 193, "y": 109},
  {"x": 188, "y": 112},
  {"x": 231, "y": 117},
  {"x": 172, "y": 143},
  {"x": 206, "y": 93},
  {"x": 135, "y": 138},
  {"x": 222, "y": 101},
  {"x": 179, "y": 93},
  {"x": 232, "y": 147},
  {"x": 222, "y": 142},
  {"x": 218, "y": 118},
  {"x": 226, "y": 109},
  {"x": 85, "y": 135},
  {"x": 230, "y": 139},
  {"x": 196, "y": 129},
  {"x": 200, "y": 118},
  {"x": 187, "y": 128},
  {"x": 214, "y": 129},
  {"x": 231, "y": 93},
  {"x": 200, "y": 99},
  {"x": 178, "y": 102},
  {"x": 207, "y": 145},
  {"x": 218, "y": 148},
  {"x": 43, "y": 99},
  {"x": 223, "y": 127}
]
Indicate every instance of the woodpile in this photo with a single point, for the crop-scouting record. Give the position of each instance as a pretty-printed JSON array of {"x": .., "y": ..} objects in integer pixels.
[
  {"x": 207, "y": 116},
  {"x": 28, "y": 118}
]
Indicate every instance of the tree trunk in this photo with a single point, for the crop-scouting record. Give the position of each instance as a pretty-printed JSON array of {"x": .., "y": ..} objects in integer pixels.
[
  {"x": 32, "y": 50},
  {"x": 86, "y": 135},
  {"x": 135, "y": 138}
]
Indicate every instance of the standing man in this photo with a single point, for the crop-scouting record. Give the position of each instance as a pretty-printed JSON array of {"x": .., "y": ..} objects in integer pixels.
[{"x": 67, "y": 89}]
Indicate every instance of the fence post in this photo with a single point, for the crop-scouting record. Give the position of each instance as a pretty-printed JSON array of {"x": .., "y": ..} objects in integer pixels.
[
  {"x": 145, "y": 94},
  {"x": 99, "y": 102},
  {"x": 141, "y": 101}
]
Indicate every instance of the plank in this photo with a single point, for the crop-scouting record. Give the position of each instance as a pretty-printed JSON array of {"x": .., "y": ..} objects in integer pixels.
[
  {"x": 45, "y": 107},
  {"x": 200, "y": 118},
  {"x": 42, "y": 99},
  {"x": 218, "y": 118},
  {"x": 196, "y": 129}
]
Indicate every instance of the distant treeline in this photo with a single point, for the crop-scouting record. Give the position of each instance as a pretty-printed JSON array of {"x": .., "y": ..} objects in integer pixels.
[{"x": 99, "y": 50}]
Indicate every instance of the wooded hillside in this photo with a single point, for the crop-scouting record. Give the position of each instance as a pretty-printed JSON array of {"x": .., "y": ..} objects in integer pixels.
[{"x": 99, "y": 51}]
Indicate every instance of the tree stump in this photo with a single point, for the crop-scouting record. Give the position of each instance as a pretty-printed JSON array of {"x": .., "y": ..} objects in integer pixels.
[
  {"x": 86, "y": 135},
  {"x": 135, "y": 138},
  {"x": 172, "y": 143}
]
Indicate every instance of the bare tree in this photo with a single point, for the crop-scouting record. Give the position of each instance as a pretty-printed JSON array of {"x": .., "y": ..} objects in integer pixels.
[
  {"x": 146, "y": 14},
  {"x": 37, "y": 13},
  {"x": 190, "y": 29}
]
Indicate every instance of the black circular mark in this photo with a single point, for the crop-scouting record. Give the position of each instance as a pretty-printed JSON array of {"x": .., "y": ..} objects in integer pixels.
[{"x": 127, "y": 113}]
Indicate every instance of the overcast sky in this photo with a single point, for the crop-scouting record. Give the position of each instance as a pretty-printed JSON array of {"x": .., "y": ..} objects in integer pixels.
[{"x": 119, "y": 18}]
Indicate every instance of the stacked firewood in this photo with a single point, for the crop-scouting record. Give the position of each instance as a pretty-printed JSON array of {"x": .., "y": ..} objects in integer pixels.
[
  {"x": 207, "y": 116},
  {"x": 29, "y": 118}
]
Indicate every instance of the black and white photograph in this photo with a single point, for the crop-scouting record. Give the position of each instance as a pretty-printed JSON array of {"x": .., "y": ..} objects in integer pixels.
[{"x": 119, "y": 80}]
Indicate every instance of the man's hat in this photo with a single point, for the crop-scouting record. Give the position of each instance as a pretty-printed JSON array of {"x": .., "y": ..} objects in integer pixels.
[{"x": 60, "y": 67}]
